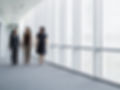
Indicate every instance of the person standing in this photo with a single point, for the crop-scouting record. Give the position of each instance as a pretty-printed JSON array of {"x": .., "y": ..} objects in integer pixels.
[
  {"x": 41, "y": 44},
  {"x": 27, "y": 39},
  {"x": 14, "y": 46}
]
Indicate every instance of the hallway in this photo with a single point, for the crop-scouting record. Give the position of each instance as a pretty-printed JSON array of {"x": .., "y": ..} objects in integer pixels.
[
  {"x": 46, "y": 77},
  {"x": 81, "y": 35}
]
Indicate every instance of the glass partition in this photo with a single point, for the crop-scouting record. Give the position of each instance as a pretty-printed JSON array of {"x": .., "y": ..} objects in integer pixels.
[
  {"x": 111, "y": 40},
  {"x": 83, "y": 35}
]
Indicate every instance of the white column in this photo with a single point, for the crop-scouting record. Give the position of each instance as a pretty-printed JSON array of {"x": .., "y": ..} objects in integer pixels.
[
  {"x": 50, "y": 27},
  {"x": 53, "y": 28},
  {"x": 62, "y": 30},
  {"x": 76, "y": 32},
  {"x": 0, "y": 36},
  {"x": 98, "y": 27}
]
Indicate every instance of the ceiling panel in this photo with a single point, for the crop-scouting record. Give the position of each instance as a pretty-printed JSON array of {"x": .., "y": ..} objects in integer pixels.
[{"x": 14, "y": 9}]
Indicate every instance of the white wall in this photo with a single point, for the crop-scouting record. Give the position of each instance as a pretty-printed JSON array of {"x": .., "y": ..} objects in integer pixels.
[{"x": 4, "y": 41}]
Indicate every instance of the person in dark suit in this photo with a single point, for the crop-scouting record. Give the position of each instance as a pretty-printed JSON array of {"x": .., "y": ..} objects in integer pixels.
[
  {"x": 14, "y": 46},
  {"x": 41, "y": 44}
]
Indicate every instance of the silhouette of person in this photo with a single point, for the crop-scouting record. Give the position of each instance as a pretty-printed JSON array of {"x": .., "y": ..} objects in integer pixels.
[
  {"x": 14, "y": 46},
  {"x": 27, "y": 39},
  {"x": 41, "y": 44}
]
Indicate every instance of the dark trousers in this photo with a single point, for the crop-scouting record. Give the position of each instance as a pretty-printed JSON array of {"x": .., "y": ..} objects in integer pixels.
[{"x": 14, "y": 56}]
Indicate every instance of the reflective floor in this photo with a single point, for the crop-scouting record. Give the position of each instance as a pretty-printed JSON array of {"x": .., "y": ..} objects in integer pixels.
[{"x": 45, "y": 77}]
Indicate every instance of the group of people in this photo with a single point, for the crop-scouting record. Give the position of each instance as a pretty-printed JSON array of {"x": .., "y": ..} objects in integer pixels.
[{"x": 15, "y": 43}]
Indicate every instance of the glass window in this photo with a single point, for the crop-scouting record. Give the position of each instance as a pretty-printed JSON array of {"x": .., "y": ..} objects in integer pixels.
[
  {"x": 111, "y": 37},
  {"x": 87, "y": 62},
  {"x": 56, "y": 57},
  {"x": 111, "y": 66},
  {"x": 69, "y": 17},
  {"x": 57, "y": 21},
  {"x": 87, "y": 23},
  {"x": 76, "y": 60},
  {"x": 68, "y": 57}
]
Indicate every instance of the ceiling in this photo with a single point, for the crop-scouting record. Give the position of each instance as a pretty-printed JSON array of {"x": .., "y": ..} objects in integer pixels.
[{"x": 12, "y": 10}]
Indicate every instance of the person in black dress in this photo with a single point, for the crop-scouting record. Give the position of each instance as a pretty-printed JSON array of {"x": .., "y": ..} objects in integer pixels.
[
  {"x": 41, "y": 44},
  {"x": 14, "y": 46}
]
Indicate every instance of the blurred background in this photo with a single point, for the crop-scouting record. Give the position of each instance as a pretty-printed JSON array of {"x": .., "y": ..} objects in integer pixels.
[{"x": 83, "y": 35}]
